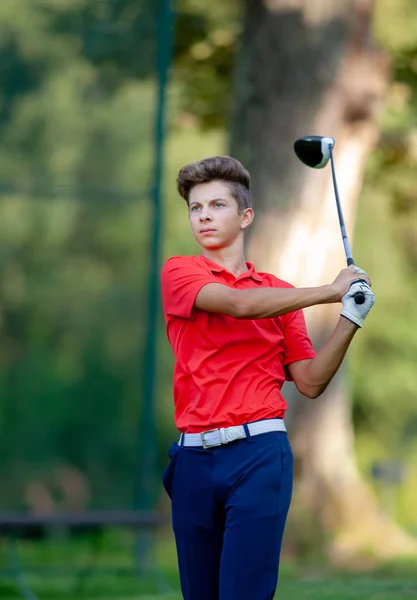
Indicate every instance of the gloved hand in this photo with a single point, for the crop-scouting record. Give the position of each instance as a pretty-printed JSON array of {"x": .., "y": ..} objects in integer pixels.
[{"x": 357, "y": 313}]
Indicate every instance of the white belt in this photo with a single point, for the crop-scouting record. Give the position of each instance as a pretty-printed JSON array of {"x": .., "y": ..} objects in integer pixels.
[{"x": 225, "y": 435}]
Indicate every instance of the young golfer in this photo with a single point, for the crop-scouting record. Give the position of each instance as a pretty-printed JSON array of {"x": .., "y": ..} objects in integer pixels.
[{"x": 236, "y": 335}]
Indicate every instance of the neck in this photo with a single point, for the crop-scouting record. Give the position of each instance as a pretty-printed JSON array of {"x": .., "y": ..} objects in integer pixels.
[{"x": 231, "y": 258}]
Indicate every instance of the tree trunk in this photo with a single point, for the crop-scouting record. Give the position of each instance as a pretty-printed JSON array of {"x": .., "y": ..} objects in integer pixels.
[{"x": 307, "y": 67}]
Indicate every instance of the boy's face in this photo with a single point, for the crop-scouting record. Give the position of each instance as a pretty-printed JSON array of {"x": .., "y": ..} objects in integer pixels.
[{"x": 215, "y": 221}]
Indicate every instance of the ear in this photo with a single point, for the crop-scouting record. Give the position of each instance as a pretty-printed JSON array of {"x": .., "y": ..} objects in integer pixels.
[{"x": 247, "y": 217}]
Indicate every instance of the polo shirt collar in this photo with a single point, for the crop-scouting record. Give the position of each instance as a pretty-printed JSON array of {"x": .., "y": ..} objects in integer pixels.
[{"x": 215, "y": 268}]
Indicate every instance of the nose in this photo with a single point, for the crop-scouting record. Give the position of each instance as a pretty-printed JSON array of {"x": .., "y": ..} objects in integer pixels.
[{"x": 205, "y": 214}]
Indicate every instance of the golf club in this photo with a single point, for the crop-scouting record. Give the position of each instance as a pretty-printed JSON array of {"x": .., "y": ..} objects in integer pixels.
[{"x": 315, "y": 151}]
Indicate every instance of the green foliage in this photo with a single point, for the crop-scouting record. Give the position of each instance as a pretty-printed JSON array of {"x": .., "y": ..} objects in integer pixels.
[
  {"x": 395, "y": 25},
  {"x": 76, "y": 157},
  {"x": 386, "y": 242},
  {"x": 384, "y": 357},
  {"x": 205, "y": 45}
]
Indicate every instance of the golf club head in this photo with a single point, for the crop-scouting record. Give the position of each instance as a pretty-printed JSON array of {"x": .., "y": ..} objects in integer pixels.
[{"x": 313, "y": 150}]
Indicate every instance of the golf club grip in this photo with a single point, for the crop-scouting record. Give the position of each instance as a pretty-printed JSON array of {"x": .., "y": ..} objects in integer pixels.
[{"x": 359, "y": 297}]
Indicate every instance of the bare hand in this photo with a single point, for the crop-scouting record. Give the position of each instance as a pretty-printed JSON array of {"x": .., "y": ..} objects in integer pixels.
[{"x": 345, "y": 278}]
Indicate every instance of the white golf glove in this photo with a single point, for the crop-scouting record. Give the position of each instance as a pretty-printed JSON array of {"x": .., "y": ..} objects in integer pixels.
[{"x": 357, "y": 313}]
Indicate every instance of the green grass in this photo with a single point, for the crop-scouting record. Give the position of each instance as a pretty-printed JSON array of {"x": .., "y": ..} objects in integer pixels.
[{"x": 298, "y": 581}]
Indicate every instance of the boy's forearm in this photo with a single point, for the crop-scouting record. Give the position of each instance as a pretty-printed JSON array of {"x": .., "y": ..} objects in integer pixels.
[
  {"x": 264, "y": 303},
  {"x": 322, "y": 368}
]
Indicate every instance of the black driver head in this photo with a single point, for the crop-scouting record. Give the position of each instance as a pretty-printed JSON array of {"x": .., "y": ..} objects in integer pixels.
[{"x": 313, "y": 150}]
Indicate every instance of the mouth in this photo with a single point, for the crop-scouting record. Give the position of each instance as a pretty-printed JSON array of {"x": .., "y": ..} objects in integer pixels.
[{"x": 207, "y": 230}]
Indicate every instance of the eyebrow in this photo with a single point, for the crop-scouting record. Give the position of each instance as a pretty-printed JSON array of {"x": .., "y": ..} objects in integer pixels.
[{"x": 212, "y": 200}]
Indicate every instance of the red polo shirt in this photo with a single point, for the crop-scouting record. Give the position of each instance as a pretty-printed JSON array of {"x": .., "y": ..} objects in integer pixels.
[{"x": 227, "y": 371}]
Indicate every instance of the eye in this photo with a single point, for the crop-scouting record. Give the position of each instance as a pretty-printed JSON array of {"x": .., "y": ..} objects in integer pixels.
[
  {"x": 194, "y": 208},
  {"x": 219, "y": 204}
]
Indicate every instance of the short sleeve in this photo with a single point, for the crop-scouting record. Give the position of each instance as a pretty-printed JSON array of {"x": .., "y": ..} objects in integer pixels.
[
  {"x": 298, "y": 345},
  {"x": 181, "y": 280}
]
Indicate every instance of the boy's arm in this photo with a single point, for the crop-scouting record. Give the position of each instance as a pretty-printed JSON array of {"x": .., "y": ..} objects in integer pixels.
[
  {"x": 312, "y": 376},
  {"x": 261, "y": 303}
]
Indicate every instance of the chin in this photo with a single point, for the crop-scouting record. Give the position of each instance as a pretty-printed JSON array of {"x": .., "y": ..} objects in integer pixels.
[
  {"x": 212, "y": 244},
  {"x": 208, "y": 243}
]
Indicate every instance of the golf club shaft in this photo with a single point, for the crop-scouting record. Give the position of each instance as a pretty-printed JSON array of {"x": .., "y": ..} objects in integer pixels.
[
  {"x": 346, "y": 245},
  {"x": 359, "y": 296}
]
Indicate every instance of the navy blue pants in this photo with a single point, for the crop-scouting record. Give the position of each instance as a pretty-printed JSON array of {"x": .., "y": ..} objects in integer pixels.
[{"x": 229, "y": 507}]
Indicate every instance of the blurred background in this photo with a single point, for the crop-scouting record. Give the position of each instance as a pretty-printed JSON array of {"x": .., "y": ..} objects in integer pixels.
[{"x": 101, "y": 103}]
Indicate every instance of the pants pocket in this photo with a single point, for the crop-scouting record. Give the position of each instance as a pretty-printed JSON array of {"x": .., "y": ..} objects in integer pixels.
[{"x": 168, "y": 474}]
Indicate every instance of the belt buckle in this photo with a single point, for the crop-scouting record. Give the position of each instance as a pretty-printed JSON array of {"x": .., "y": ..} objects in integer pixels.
[{"x": 205, "y": 445}]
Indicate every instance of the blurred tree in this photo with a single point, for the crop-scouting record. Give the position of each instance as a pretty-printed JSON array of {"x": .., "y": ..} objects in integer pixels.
[
  {"x": 388, "y": 343},
  {"x": 309, "y": 67}
]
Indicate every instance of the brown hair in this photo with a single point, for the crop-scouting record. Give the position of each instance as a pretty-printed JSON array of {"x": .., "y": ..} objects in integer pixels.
[{"x": 217, "y": 168}]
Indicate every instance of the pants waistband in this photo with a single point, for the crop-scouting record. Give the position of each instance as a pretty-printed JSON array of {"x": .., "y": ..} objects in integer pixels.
[{"x": 225, "y": 435}]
